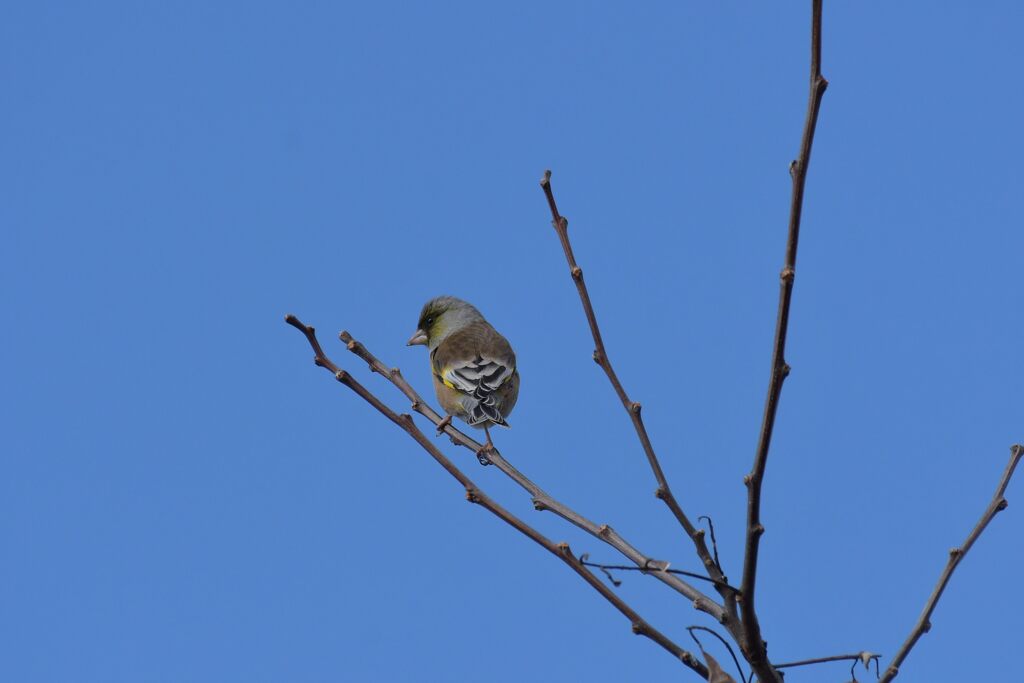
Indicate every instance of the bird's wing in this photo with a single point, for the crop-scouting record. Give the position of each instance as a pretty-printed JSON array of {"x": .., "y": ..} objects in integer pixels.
[
  {"x": 476, "y": 361},
  {"x": 479, "y": 374}
]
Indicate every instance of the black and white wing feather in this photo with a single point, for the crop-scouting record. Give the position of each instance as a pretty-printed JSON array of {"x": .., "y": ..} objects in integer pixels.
[{"x": 480, "y": 378}]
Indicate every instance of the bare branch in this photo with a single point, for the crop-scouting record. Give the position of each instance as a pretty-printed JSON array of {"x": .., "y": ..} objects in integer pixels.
[
  {"x": 475, "y": 495},
  {"x": 645, "y": 570},
  {"x": 858, "y": 657},
  {"x": 584, "y": 559},
  {"x": 714, "y": 541},
  {"x": 541, "y": 499},
  {"x": 957, "y": 554},
  {"x": 754, "y": 646},
  {"x": 663, "y": 492}
]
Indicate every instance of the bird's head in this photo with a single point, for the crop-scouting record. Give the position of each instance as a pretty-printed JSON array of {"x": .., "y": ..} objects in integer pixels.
[{"x": 439, "y": 318}]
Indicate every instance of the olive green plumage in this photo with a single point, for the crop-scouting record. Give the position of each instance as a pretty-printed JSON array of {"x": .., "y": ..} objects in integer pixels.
[{"x": 474, "y": 367}]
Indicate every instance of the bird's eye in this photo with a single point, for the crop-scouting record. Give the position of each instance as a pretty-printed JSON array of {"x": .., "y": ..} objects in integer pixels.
[{"x": 429, "y": 321}]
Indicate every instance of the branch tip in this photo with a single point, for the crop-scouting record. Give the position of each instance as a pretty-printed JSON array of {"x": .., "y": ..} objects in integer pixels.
[
  {"x": 923, "y": 624},
  {"x": 758, "y": 655}
]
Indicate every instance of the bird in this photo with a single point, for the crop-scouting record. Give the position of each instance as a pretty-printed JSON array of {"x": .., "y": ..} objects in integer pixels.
[{"x": 473, "y": 366}]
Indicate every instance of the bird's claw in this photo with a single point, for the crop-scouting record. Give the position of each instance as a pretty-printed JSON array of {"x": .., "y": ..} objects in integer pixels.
[
  {"x": 481, "y": 454},
  {"x": 443, "y": 423}
]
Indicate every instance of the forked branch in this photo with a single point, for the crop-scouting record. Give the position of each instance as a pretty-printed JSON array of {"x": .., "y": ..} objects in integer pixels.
[
  {"x": 957, "y": 554},
  {"x": 475, "y": 495},
  {"x": 753, "y": 645}
]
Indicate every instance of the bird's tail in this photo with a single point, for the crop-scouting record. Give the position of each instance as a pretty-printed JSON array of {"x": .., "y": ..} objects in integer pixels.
[{"x": 485, "y": 408}]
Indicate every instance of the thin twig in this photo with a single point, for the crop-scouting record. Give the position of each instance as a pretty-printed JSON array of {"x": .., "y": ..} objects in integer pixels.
[
  {"x": 541, "y": 499},
  {"x": 585, "y": 560},
  {"x": 754, "y": 646},
  {"x": 735, "y": 660},
  {"x": 858, "y": 657},
  {"x": 955, "y": 556},
  {"x": 663, "y": 492},
  {"x": 630, "y": 568},
  {"x": 871, "y": 658},
  {"x": 714, "y": 541},
  {"x": 475, "y": 495}
]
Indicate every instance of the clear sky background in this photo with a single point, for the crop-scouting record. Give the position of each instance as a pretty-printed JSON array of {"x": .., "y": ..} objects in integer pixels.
[{"x": 185, "y": 497}]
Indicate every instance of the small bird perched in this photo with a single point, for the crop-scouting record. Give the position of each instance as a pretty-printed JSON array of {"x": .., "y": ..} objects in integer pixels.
[{"x": 474, "y": 367}]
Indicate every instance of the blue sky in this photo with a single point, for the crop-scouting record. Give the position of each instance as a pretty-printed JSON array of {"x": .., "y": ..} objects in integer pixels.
[{"x": 186, "y": 497}]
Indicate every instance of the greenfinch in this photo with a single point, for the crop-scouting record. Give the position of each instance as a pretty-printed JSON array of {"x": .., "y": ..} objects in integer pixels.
[{"x": 473, "y": 366}]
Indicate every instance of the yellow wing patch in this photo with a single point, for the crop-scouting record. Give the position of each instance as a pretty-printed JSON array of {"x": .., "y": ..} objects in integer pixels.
[{"x": 443, "y": 376}]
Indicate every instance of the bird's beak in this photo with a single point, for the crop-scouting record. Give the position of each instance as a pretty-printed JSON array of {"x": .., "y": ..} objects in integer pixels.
[{"x": 418, "y": 337}]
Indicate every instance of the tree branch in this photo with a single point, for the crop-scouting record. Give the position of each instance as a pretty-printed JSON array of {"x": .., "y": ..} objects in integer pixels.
[
  {"x": 664, "y": 491},
  {"x": 754, "y": 646},
  {"x": 475, "y": 495},
  {"x": 957, "y": 554},
  {"x": 864, "y": 657},
  {"x": 644, "y": 570},
  {"x": 714, "y": 541},
  {"x": 542, "y": 500}
]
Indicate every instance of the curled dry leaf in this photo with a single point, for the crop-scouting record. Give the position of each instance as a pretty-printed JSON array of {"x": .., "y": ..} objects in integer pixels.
[
  {"x": 715, "y": 672},
  {"x": 865, "y": 658}
]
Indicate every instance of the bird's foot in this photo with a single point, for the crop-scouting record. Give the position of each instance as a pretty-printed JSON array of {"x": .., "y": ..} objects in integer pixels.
[
  {"x": 481, "y": 454},
  {"x": 443, "y": 423}
]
